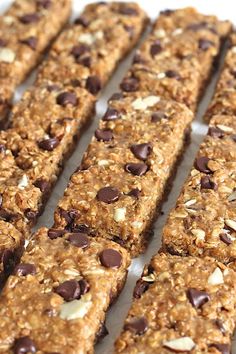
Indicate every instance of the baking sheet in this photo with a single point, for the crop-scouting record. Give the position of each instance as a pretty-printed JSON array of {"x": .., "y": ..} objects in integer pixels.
[{"x": 118, "y": 312}]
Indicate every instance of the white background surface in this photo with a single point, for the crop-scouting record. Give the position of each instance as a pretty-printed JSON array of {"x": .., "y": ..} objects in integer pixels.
[{"x": 116, "y": 316}]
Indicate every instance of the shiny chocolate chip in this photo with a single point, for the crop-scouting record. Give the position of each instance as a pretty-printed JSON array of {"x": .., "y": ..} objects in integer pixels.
[
  {"x": 69, "y": 290},
  {"x": 197, "y": 297},
  {"x": 135, "y": 192},
  {"x": 111, "y": 114},
  {"x": 42, "y": 184},
  {"x": 137, "y": 325},
  {"x": 29, "y": 18},
  {"x": 93, "y": 84},
  {"x": 55, "y": 233},
  {"x": 129, "y": 84},
  {"x": 31, "y": 42},
  {"x": 84, "y": 286},
  {"x": 201, "y": 164},
  {"x": 215, "y": 132},
  {"x": 24, "y": 269},
  {"x": 206, "y": 183},
  {"x": 24, "y": 345},
  {"x": 140, "y": 288},
  {"x": 104, "y": 134},
  {"x": 220, "y": 326},
  {"x": 137, "y": 169},
  {"x": 110, "y": 258},
  {"x": 65, "y": 98},
  {"x": 108, "y": 195},
  {"x": 49, "y": 144},
  {"x": 79, "y": 239},
  {"x": 141, "y": 151}
]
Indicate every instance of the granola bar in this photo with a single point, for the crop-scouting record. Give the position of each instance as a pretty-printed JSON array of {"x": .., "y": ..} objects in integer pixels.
[
  {"x": 126, "y": 169},
  {"x": 88, "y": 51},
  {"x": 181, "y": 305},
  {"x": 68, "y": 281},
  {"x": 177, "y": 58},
  {"x": 203, "y": 221},
  {"x": 26, "y": 30}
]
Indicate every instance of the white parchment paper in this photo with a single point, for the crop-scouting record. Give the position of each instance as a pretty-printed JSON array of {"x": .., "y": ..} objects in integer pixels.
[{"x": 116, "y": 316}]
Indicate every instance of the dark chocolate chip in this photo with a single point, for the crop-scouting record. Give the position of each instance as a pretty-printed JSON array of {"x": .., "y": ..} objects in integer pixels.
[
  {"x": 206, "y": 183},
  {"x": 24, "y": 269},
  {"x": 205, "y": 44},
  {"x": 85, "y": 61},
  {"x": 117, "y": 96},
  {"x": 134, "y": 193},
  {"x": 173, "y": 74},
  {"x": 215, "y": 132},
  {"x": 141, "y": 151},
  {"x": 155, "y": 49},
  {"x": 199, "y": 26},
  {"x": 55, "y": 233},
  {"x": 2, "y": 42},
  {"x": 65, "y": 98},
  {"x": 69, "y": 290},
  {"x": 111, "y": 114},
  {"x": 53, "y": 87},
  {"x": 93, "y": 84},
  {"x": 104, "y": 134},
  {"x": 31, "y": 215},
  {"x": 79, "y": 50},
  {"x": 158, "y": 116},
  {"x": 110, "y": 258},
  {"x": 31, "y": 42},
  {"x": 201, "y": 164},
  {"x": 24, "y": 345},
  {"x": 197, "y": 297},
  {"x": 222, "y": 348},
  {"x": 6, "y": 215},
  {"x": 140, "y": 288},
  {"x": 84, "y": 286},
  {"x": 221, "y": 326},
  {"x": 167, "y": 12},
  {"x": 129, "y": 84},
  {"x": 137, "y": 325},
  {"x": 42, "y": 184},
  {"x": 137, "y": 59},
  {"x": 79, "y": 239},
  {"x": 128, "y": 11},
  {"x": 83, "y": 21},
  {"x": 44, "y": 3},
  {"x": 108, "y": 195},
  {"x": 102, "y": 333},
  {"x": 49, "y": 144},
  {"x": 137, "y": 169},
  {"x": 29, "y": 18},
  {"x": 226, "y": 239}
]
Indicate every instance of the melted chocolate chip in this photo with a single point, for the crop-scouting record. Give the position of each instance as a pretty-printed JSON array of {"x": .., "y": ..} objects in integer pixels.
[
  {"x": 111, "y": 114},
  {"x": 137, "y": 169},
  {"x": 226, "y": 239},
  {"x": 31, "y": 42},
  {"x": 205, "y": 44},
  {"x": 24, "y": 345},
  {"x": 29, "y": 18},
  {"x": 79, "y": 239},
  {"x": 108, "y": 195},
  {"x": 222, "y": 348},
  {"x": 24, "y": 269},
  {"x": 65, "y": 98},
  {"x": 215, "y": 132},
  {"x": 206, "y": 183},
  {"x": 93, "y": 84},
  {"x": 110, "y": 258},
  {"x": 173, "y": 74},
  {"x": 141, "y": 151},
  {"x": 129, "y": 84},
  {"x": 201, "y": 164},
  {"x": 140, "y": 288},
  {"x": 49, "y": 144},
  {"x": 55, "y": 233},
  {"x": 197, "y": 297},
  {"x": 134, "y": 193},
  {"x": 69, "y": 290},
  {"x": 155, "y": 49},
  {"x": 42, "y": 184},
  {"x": 137, "y": 325},
  {"x": 158, "y": 116},
  {"x": 104, "y": 134}
]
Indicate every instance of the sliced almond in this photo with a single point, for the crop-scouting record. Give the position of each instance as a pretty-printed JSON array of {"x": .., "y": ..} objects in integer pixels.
[
  {"x": 190, "y": 202},
  {"x": 183, "y": 344},
  {"x": 23, "y": 182},
  {"x": 225, "y": 128},
  {"x": 76, "y": 308},
  {"x": 231, "y": 223},
  {"x": 199, "y": 233},
  {"x": 143, "y": 103},
  {"x": 7, "y": 55},
  {"x": 216, "y": 277},
  {"x": 232, "y": 197}
]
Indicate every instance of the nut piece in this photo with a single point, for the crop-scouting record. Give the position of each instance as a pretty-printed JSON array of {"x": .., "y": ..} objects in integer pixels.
[
  {"x": 160, "y": 33},
  {"x": 224, "y": 128},
  {"x": 232, "y": 197},
  {"x": 231, "y": 224},
  {"x": 200, "y": 234},
  {"x": 119, "y": 214},
  {"x": 144, "y": 103},
  {"x": 184, "y": 344},
  {"x": 216, "y": 277},
  {"x": 7, "y": 55},
  {"x": 76, "y": 308},
  {"x": 23, "y": 182}
]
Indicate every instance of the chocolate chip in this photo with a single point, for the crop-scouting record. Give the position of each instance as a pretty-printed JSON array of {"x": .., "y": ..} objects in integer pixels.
[
  {"x": 83, "y": 21},
  {"x": 134, "y": 193},
  {"x": 215, "y": 132},
  {"x": 167, "y": 12},
  {"x": 53, "y": 87},
  {"x": 84, "y": 286},
  {"x": 140, "y": 288},
  {"x": 79, "y": 239},
  {"x": 137, "y": 169},
  {"x": 69, "y": 290},
  {"x": 173, "y": 74},
  {"x": 220, "y": 325},
  {"x": 42, "y": 184},
  {"x": 111, "y": 114},
  {"x": 206, "y": 183},
  {"x": 24, "y": 269},
  {"x": 110, "y": 258},
  {"x": 8, "y": 259},
  {"x": 104, "y": 134},
  {"x": 55, "y": 233},
  {"x": 2, "y": 42},
  {"x": 197, "y": 26},
  {"x": 117, "y": 96},
  {"x": 129, "y": 84},
  {"x": 128, "y": 11},
  {"x": 205, "y": 44},
  {"x": 44, "y": 3},
  {"x": 66, "y": 98},
  {"x": 24, "y": 345},
  {"x": 29, "y": 18},
  {"x": 108, "y": 195},
  {"x": 93, "y": 84},
  {"x": 226, "y": 239},
  {"x": 31, "y": 214},
  {"x": 7, "y": 216},
  {"x": 85, "y": 61},
  {"x": 222, "y": 348},
  {"x": 137, "y": 325},
  {"x": 31, "y": 42},
  {"x": 102, "y": 333},
  {"x": 158, "y": 116},
  {"x": 155, "y": 49},
  {"x": 141, "y": 151},
  {"x": 197, "y": 297},
  {"x": 49, "y": 144},
  {"x": 79, "y": 50},
  {"x": 201, "y": 164}
]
